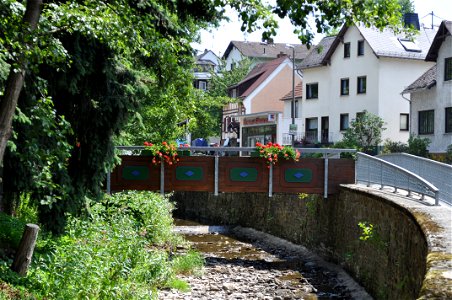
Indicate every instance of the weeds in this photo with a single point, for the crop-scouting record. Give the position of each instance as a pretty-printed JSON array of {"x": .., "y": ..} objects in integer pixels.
[{"x": 119, "y": 252}]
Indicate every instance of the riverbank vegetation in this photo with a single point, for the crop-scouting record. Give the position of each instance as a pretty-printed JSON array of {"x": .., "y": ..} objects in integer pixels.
[{"x": 122, "y": 249}]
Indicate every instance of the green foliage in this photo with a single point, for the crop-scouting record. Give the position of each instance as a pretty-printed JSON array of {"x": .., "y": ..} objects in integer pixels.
[
  {"x": 394, "y": 147},
  {"x": 122, "y": 251},
  {"x": 449, "y": 154},
  {"x": 418, "y": 146},
  {"x": 364, "y": 132},
  {"x": 187, "y": 264},
  {"x": 10, "y": 234},
  {"x": 406, "y": 6},
  {"x": 367, "y": 231},
  {"x": 121, "y": 71},
  {"x": 150, "y": 211}
]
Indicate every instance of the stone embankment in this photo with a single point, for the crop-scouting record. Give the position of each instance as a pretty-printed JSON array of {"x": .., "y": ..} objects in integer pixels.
[{"x": 263, "y": 267}]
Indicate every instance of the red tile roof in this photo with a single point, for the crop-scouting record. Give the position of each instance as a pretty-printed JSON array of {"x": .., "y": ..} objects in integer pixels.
[
  {"x": 257, "y": 76},
  {"x": 298, "y": 93}
]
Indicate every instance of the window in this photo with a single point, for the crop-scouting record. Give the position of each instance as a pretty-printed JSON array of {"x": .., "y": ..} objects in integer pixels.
[
  {"x": 292, "y": 115},
  {"x": 361, "y": 88},
  {"x": 344, "y": 122},
  {"x": 410, "y": 45},
  {"x": 360, "y": 48},
  {"x": 202, "y": 85},
  {"x": 404, "y": 122},
  {"x": 426, "y": 121},
  {"x": 311, "y": 129},
  {"x": 312, "y": 91},
  {"x": 344, "y": 86},
  {"x": 448, "y": 120},
  {"x": 234, "y": 93},
  {"x": 448, "y": 69},
  {"x": 346, "y": 50},
  {"x": 359, "y": 115}
]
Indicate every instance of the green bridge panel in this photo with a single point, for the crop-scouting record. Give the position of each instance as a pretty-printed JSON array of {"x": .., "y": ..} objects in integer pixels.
[
  {"x": 189, "y": 173},
  {"x": 243, "y": 174},
  {"x": 135, "y": 172},
  {"x": 298, "y": 175}
]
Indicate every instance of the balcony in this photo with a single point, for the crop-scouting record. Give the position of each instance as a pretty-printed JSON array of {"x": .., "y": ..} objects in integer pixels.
[{"x": 308, "y": 139}]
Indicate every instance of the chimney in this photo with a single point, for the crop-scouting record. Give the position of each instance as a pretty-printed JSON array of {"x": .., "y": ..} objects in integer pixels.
[
  {"x": 411, "y": 20},
  {"x": 281, "y": 54}
]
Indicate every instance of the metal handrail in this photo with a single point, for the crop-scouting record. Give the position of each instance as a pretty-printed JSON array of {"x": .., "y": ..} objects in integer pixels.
[
  {"x": 324, "y": 151},
  {"x": 373, "y": 170},
  {"x": 439, "y": 174}
]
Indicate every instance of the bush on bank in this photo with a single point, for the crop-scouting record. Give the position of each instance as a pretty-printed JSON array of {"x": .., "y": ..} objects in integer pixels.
[{"x": 122, "y": 250}]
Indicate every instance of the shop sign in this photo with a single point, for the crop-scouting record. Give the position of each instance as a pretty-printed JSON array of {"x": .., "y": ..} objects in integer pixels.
[{"x": 259, "y": 120}]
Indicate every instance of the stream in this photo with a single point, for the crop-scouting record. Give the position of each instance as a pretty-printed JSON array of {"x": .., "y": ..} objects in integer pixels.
[{"x": 243, "y": 263}]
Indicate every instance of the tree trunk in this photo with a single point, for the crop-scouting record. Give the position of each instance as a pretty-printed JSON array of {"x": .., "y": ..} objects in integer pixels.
[
  {"x": 24, "y": 253},
  {"x": 14, "y": 84}
]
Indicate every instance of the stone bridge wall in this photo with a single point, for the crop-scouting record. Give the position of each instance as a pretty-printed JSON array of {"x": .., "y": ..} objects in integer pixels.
[{"x": 390, "y": 263}]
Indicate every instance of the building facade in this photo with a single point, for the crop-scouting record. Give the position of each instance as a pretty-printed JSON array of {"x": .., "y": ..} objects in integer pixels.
[
  {"x": 431, "y": 94},
  {"x": 360, "y": 69}
]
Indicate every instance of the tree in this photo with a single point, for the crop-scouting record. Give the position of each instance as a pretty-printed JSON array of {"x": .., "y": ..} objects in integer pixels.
[
  {"x": 99, "y": 62},
  {"x": 16, "y": 76},
  {"x": 406, "y": 6},
  {"x": 365, "y": 132}
]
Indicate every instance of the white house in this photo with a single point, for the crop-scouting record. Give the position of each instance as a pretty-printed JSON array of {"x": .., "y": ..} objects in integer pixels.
[
  {"x": 431, "y": 94},
  {"x": 260, "y": 52},
  {"x": 360, "y": 69},
  {"x": 206, "y": 63}
]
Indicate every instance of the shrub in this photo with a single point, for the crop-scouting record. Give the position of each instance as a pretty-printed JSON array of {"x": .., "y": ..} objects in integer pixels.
[
  {"x": 394, "y": 147},
  {"x": 121, "y": 251},
  {"x": 449, "y": 154},
  {"x": 418, "y": 146}
]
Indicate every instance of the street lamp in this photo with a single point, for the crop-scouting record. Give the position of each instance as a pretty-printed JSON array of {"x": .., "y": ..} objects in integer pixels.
[{"x": 293, "y": 127}]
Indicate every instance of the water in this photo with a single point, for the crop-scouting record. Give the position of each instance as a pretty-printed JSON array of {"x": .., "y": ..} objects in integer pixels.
[{"x": 246, "y": 268}]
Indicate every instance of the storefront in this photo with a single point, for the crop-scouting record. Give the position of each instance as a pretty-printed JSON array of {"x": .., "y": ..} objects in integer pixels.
[{"x": 260, "y": 127}]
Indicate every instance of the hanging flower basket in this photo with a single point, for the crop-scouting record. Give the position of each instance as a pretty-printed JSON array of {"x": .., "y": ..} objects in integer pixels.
[
  {"x": 272, "y": 153},
  {"x": 166, "y": 152}
]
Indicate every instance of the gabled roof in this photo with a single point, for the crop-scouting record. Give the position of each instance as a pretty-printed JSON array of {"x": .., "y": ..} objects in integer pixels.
[
  {"x": 444, "y": 30},
  {"x": 203, "y": 59},
  {"x": 383, "y": 44},
  {"x": 264, "y": 50},
  {"x": 317, "y": 54},
  {"x": 257, "y": 76},
  {"x": 298, "y": 93},
  {"x": 426, "y": 81}
]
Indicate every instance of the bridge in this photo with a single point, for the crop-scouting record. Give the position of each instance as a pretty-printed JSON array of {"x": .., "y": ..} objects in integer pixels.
[
  {"x": 213, "y": 169},
  {"x": 408, "y": 252}
]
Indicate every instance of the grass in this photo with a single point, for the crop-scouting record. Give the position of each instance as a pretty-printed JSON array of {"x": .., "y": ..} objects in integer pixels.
[{"x": 120, "y": 251}]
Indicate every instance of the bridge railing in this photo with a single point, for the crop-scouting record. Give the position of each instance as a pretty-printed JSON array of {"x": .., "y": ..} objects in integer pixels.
[
  {"x": 373, "y": 170},
  {"x": 437, "y": 173},
  {"x": 216, "y": 154}
]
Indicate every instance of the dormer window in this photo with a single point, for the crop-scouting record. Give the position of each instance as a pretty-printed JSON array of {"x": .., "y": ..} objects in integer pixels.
[
  {"x": 409, "y": 45},
  {"x": 346, "y": 50},
  {"x": 360, "y": 48}
]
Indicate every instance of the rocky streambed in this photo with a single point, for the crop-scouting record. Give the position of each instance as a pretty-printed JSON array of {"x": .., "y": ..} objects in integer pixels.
[{"x": 247, "y": 264}]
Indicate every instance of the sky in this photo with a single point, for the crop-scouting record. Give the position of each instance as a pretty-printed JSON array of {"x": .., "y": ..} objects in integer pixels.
[{"x": 217, "y": 40}]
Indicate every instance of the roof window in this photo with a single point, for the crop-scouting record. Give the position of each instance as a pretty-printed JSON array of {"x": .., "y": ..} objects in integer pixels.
[{"x": 409, "y": 45}]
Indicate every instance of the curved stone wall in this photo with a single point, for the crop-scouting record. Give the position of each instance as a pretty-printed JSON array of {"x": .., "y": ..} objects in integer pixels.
[{"x": 380, "y": 241}]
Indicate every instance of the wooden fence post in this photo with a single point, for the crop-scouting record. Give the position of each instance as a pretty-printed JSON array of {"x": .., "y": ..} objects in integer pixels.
[{"x": 24, "y": 253}]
